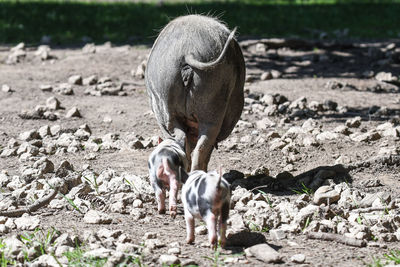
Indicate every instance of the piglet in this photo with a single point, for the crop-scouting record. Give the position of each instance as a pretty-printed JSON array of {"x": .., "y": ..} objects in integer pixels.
[
  {"x": 206, "y": 196},
  {"x": 167, "y": 164}
]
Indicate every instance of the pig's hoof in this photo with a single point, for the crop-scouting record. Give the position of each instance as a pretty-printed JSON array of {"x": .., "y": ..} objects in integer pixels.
[
  {"x": 162, "y": 211},
  {"x": 189, "y": 240},
  {"x": 172, "y": 211}
]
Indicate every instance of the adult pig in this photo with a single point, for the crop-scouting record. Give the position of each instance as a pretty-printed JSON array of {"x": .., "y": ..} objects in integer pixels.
[{"x": 194, "y": 77}]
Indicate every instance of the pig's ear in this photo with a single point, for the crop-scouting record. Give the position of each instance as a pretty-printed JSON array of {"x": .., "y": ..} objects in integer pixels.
[{"x": 159, "y": 140}]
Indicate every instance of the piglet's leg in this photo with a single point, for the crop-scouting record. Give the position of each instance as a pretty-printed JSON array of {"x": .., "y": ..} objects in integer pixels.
[
  {"x": 222, "y": 228},
  {"x": 211, "y": 221},
  {"x": 189, "y": 227},
  {"x": 173, "y": 194},
  {"x": 160, "y": 195}
]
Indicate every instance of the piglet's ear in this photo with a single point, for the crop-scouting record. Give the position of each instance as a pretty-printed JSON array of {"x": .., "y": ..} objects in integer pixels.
[{"x": 159, "y": 140}]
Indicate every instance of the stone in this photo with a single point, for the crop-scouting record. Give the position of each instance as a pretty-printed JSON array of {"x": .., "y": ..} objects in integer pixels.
[
  {"x": 326, "y": 194},
  {"x": 91, "y": 80},
  {"x": 277, "y": 234},
  {"x": 64, "y": 89},
  {"x": 366, "y": 137},
  {"x": 73, "y": 112},
  {"x": 201, "y": 230},
  {"x": 150, "y": 235},
  {"x": 27, "y": 222},
  {"x": 53, "y": 103},
  {"x": 6, "y": 88},
  {"x": 89, "y": 48},
  {"x": 264, "y": 123},
  {"x": 97, "y": 217},
  {"x": 353, "y": 123},
  {"x": 342, "y": 129},
  {"x": 264, "y": 252},
  {"x": 298, "y": 258},
  {"x": 75, "y": 79},
  {"x": 168, "y": 260},
  {"x": 327, "y": 136},
  {"x": 174, "y": 251},
  {"x": 141, "y": 69},
  {"x": 44, "y": 165},
  {"x": 386, "y": 77},
  {"x": 266, "y": 76},
  {"x": 8, "y": 152},
  {"x": 29, "y": 135}
]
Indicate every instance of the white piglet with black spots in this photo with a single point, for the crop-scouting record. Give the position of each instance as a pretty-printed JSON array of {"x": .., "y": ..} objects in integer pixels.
[
  {"x": 167, "y": 166},
  {"x": 206, "y": 196}
]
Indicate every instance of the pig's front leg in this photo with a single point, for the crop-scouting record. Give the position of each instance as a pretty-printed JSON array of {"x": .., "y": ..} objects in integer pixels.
[{"x": 173, "y": 194}]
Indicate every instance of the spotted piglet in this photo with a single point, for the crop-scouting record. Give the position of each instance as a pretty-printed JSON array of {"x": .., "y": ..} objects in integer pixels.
[
  {"x": 206, "y": 196},
  {"x": 167, "y": 165}
]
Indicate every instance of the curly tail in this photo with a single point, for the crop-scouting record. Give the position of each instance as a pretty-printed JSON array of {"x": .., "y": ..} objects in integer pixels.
[{"x": 194, "y": 63}]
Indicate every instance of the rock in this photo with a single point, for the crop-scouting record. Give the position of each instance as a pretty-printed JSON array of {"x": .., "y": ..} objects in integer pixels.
[
  {"x": 150, "y": 235},
  {"x": 266, "y": 76},
  {"x": 327, "y": 136},
  {"x": 141, "y": 69},
  {"x": 329, "y": 105},
  {"x": 53, "y": 103},
  {"x": 188, "y": 262},
  {"x": 8, "y": 152},
  {"x": 73, "y": 112},
  {"x": 43, "y": 52},
  {"x": 263, "y": 252},
  {"x": 326, "y": 194},
  {"x": 174, "y": 251},
  {"x": 369, "y": 199},
  {"x": 64, "y": 89},
  {"x": 386, "y": 77},
  {"x": 354, "y": 123},
  {"x": 264, "y": 124},
  {"x": 201, "y": 230},
  {"x": 90, "y": 80},
  {"x": 27, "y": 222},
  {"x": 29, "y": 135},
  {"x": 168, "y": 260},
  {"x": 6, "y": 88},
  {"x": 75, "y": 79},
  {"x": 277, "y": 234},
  {"x": 44, "y": 165},
  {"x": 365, "y": 137},
  {"x": 89, "y": 48},
  {"x": 298, "y": 258},
  {"x": 261, "y": 47},
  {"x": 97, "y": 217},
  {"x": 342, "y": 129}
]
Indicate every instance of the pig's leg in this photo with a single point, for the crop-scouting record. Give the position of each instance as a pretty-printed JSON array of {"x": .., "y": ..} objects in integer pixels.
[
  {"x": 211, "y": 221},
  {"x": 160, "y": 195},
  {"x": 173, "y": 194},
  {"x": 189, "y": 227},
  {"x": 204, "y": 147},
  {"x": 223, "y": 219}
]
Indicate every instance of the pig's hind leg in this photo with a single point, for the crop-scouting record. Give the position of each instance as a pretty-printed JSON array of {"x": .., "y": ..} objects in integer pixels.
[
  {"x": 223, "y": 223},
  {"x": 189, "y": 226}
]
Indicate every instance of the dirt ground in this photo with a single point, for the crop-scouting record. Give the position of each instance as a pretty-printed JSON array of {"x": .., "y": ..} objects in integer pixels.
[{"x": 307, "y": 72}]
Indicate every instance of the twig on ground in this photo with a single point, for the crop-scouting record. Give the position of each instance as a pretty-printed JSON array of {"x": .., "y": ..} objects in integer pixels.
[
  {"x": 338, "y": 238},
  {"x": 31, "y": 208}
]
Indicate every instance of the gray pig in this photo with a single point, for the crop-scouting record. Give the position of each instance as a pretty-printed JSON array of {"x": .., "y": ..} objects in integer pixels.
[
  {"x": 195, "y": 77},
  {"x": 167, "y": 165},
  {"x": 206, "y": 196}
]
